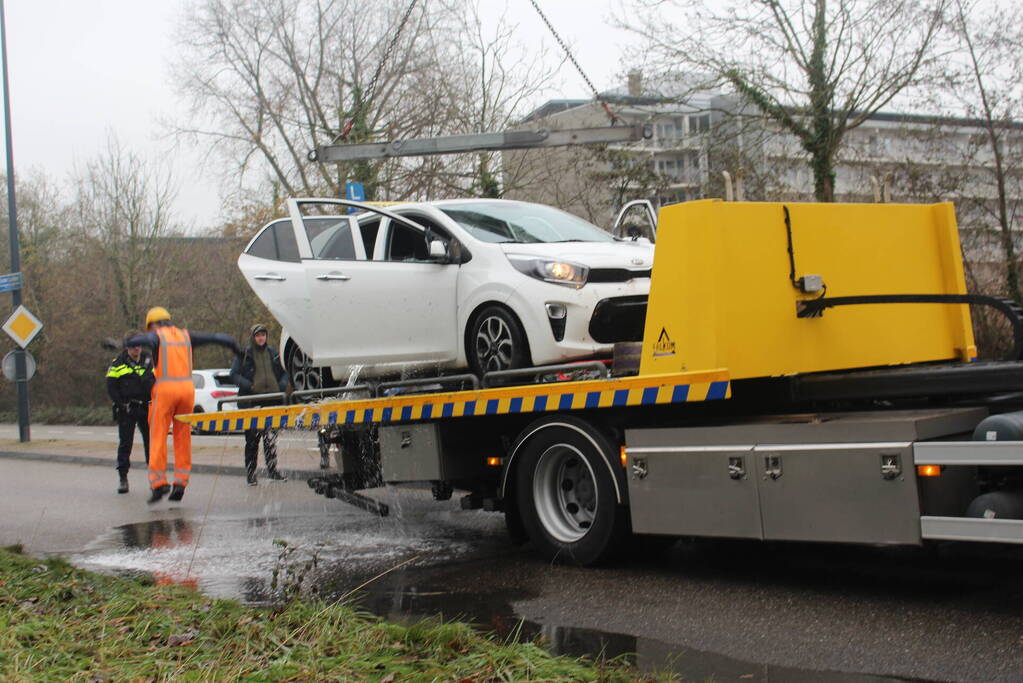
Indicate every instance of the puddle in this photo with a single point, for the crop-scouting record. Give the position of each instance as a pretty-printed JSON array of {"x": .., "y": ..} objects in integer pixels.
[{"x": 453, "y": 558}]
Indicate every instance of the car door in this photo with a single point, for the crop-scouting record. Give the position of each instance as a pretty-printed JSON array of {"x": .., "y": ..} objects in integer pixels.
[
  {"x": 273, "y": 268},
  {"x": 396, "y": 308},
  {"x": 413, "y": 294}
]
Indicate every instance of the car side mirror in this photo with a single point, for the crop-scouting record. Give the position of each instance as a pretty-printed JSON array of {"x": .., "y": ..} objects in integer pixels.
[{"x": 438, "y": 252}]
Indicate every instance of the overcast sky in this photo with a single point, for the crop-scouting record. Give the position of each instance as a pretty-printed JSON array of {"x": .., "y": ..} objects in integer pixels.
[{"x": 82, "y": 69}]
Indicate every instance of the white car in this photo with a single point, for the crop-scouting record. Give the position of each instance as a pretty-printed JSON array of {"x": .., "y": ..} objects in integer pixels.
[
  {"x": 212, "y": 386},
  {"x": 485, "y": 284}
]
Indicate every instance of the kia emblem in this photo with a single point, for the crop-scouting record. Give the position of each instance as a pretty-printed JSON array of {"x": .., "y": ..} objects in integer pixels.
[{"x": 637, "y": 261}]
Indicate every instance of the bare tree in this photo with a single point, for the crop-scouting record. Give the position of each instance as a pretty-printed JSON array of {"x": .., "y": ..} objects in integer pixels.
[
  {"x": 123, "y": 204},
  {"x": 268, "y": 80},
  {"x": 984, "y": 76},
  {"x": 815, "y": 69}
]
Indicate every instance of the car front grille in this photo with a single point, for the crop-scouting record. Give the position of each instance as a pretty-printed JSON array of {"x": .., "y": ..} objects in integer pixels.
[
  {"x": 616, "y": 274},
  {"x": 619, "y": 319}
]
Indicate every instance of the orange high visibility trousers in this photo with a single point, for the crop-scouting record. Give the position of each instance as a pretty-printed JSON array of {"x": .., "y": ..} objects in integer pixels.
[{"x": 170, "y": 399}]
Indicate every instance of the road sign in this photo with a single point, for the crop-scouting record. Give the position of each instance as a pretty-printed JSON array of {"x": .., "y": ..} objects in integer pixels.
[
  {"x": 10, "y": 281},
  {"x": 8, "y": 366},
  {"x": 22, "y": 326},
  {"x": 356, "y": 192}
]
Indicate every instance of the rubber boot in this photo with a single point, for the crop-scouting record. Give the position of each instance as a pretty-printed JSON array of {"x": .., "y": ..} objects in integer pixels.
[
  {"x": 177, "y": 492},
  {"x": 158, "y": 493},
  {"x": 123, "y": 486}
]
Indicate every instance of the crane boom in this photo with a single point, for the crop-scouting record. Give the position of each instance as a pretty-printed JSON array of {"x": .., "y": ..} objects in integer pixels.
[{"x": 455, "y": 144}]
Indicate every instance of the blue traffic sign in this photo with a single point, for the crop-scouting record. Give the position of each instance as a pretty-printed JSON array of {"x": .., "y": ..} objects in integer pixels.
[
  {"x": 10, "y": 282},
  {"x": 356, "y": 192}
]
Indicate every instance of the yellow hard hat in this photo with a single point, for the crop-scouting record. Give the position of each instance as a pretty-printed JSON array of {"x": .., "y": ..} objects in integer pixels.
[{"x": 156, "y": 314}]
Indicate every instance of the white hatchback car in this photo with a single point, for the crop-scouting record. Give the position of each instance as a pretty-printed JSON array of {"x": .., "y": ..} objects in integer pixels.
[
  {"x": 486, "y": 284},
  {"x": 212, "y": 386}
]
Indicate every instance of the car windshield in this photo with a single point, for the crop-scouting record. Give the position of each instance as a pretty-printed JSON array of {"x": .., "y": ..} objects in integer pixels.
[{"x": 523, "y": 223}]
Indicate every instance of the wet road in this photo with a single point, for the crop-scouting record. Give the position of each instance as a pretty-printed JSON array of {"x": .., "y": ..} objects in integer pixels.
[{"x": 733, "y": 611}]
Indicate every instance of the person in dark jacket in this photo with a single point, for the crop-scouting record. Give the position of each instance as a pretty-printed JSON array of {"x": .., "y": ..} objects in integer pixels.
[
  {"x": 130, "y": 382},
  {"x": 258, "y": 370}
]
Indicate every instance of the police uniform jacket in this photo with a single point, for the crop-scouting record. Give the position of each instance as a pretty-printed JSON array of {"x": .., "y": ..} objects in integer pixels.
[{"x": 129, "y": 381}]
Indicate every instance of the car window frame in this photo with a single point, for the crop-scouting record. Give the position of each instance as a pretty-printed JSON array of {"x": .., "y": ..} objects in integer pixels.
[
  {"x": 441, "y": 232},
  {"x": 272, "y": 227},
  {"x": 305, "y": 251}
]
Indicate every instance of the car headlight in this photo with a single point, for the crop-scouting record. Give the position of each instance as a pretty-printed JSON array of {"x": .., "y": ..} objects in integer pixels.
[{"x": 551, "y": 270}]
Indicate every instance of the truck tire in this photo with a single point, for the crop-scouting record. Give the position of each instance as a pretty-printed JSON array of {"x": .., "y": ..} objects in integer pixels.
[{"x": 566, "y": 491}]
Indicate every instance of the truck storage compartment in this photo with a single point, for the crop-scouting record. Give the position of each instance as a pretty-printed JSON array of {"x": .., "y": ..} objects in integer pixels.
[{"x": 846, "y": 477}]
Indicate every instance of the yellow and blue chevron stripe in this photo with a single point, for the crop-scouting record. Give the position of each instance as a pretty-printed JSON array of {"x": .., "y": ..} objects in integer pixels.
[{"x": 641, "y": 390}]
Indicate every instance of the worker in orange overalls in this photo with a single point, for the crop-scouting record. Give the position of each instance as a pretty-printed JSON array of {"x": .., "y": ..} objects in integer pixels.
[{"x": 173, "y": 394}]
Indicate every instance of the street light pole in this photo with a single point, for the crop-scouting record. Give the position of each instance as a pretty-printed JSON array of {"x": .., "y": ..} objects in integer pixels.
[{"x": 20, "y": 370}]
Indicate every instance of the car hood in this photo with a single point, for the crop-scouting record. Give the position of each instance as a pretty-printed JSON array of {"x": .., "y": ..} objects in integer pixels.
[{"x": 626, "y": 254}]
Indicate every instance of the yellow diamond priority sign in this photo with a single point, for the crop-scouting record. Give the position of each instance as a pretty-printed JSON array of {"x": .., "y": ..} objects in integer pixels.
[{"x": 22, "y": 326}]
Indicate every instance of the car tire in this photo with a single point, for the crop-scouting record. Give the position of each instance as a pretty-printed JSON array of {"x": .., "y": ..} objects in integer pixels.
[
  {"x": 303, "y": 374},
  {"x": 566, "y": 492},
  {"x": 496, "y": 341}
]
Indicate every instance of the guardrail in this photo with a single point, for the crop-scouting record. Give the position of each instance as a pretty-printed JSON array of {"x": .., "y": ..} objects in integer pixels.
[
  {"x": 543, "y": 370},
  {"x": 376, "y": 390}
]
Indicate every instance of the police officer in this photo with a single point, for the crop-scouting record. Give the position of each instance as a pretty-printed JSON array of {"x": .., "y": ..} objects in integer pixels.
[{"x": 129, "y": 383}]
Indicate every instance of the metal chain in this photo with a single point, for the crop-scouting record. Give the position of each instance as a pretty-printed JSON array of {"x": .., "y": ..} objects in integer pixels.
[
  {"x": 376, "y": 75},
  {"x": 568, "y": 53}
]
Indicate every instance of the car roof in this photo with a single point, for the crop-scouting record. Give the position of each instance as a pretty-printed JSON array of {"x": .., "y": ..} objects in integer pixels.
[{"x": 439, "y": 203}]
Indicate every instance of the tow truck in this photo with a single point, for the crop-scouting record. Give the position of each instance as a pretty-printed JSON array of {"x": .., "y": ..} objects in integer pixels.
[{"x": 808, "y": 372}]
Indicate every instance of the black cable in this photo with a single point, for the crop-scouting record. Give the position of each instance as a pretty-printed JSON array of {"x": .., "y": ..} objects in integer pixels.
[
  {"x": 814, "y": 308},
  {"x": 792, "y": 254}
]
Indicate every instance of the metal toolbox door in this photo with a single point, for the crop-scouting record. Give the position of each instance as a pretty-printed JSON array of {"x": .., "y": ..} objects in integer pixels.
[
  {"x": 693, "y": 491},
  {"x": 856, "y": 493}
]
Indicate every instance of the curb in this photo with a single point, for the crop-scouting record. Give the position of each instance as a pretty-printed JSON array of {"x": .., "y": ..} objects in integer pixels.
[{"x": 199, "y": 468}]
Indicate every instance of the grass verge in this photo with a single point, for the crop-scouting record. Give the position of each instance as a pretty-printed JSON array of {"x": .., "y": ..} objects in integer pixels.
[
  {"x": 63, "y": 415},
  {"x": 62, "y": 623}
]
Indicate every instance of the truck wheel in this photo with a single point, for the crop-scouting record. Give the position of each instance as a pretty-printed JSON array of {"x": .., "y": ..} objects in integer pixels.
[
  {"x": 566, "y": 492},
  {"x": 496, "y": 341}
]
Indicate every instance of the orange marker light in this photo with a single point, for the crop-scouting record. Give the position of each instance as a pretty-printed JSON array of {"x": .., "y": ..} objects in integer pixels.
[
  {"x": 928, "y": 470},
  {"x": 495, "y": 462},
  {"x": 622, "y": 456}
]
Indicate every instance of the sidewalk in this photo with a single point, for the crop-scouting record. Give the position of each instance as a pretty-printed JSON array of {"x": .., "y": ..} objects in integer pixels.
[{"x": 297, "y": 454}]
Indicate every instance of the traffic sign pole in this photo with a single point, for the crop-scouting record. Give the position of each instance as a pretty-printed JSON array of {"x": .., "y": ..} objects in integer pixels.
[{"x": 20, "y": 370}]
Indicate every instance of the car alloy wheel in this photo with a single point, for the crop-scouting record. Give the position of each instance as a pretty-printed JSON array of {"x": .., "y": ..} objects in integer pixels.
[
  {"x": 497, "y": 342},
  {"x": 302, "y": 372},
  {"x": 494, "y": 346}
]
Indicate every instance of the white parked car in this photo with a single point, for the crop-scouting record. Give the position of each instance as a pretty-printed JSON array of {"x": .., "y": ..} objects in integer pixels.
[
  {"x": 212, "y": 386},
  {"x": 484, "y": 284}
]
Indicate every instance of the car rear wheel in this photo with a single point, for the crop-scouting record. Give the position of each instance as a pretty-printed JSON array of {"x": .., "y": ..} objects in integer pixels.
[
  {"x": 497, "y": 342},
  {"x": 303, "y": 374}
]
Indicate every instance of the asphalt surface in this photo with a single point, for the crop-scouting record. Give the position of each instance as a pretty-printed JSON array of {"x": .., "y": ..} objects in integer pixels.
[{"x": 726, "y": 610}]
